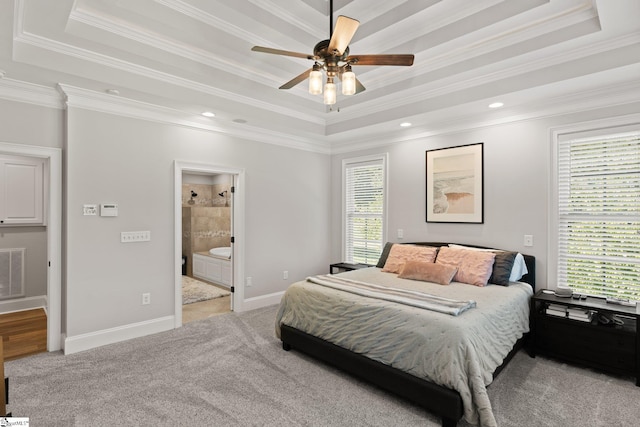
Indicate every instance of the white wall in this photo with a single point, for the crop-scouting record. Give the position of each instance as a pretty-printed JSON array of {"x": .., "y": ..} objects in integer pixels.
[
  {"x": 29, "y": 124},
  {"x": 114, "y": 159},
  {"x": 516, "y": 172}
]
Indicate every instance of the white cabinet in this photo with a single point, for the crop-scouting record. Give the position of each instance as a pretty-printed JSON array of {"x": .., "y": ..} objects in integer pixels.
[
  {"x": 214, "y": 270},
  {"x": 21, "y": 191}
]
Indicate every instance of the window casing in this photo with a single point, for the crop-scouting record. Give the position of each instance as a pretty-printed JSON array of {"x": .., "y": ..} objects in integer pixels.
[
  {"x": 364, "y": 208},
  {"x": 598, "y": 215}
]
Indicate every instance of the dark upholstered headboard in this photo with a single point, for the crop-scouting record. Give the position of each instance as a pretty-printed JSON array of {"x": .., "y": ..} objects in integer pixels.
[{"x": 529, "y": 260}]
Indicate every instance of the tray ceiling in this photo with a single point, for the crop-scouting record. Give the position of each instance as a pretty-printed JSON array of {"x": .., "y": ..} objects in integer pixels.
[{"x": 536, "y": 56}]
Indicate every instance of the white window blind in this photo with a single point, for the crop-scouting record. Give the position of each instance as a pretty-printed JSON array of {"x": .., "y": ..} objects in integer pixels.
[
  {"x": 364, "y": 210},
  {"x": 599, "y": 216}
]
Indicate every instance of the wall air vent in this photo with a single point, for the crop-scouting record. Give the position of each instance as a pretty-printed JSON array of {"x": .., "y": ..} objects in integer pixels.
[{"x": 12, "y": 273}]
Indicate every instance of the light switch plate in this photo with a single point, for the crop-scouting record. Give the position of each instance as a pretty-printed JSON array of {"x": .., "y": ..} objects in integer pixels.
[
  {"x": 528, "y": 240},
  {"x": 135, "y": 236},
  {"x": 90, "y": 210}
]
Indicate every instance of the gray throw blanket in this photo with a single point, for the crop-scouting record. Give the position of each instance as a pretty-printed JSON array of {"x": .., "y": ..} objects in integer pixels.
[{"x": 401, "y": 296}]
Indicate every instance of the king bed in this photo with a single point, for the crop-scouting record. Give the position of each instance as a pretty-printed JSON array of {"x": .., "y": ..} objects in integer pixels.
[{"x": 432, "y": 322}]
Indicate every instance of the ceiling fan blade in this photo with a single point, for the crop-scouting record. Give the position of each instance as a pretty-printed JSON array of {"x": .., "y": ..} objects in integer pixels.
[
  {"x": 391, "y": 59},
  {"x": 291, "y": 83},
  {"x": 281, "y": 52},
  {"x": 342, "y": 34}
]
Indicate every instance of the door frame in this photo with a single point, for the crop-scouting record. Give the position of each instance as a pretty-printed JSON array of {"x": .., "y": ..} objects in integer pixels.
[
  {"x": 237, "y": 248},
  {"x": 53, "y": 218}
]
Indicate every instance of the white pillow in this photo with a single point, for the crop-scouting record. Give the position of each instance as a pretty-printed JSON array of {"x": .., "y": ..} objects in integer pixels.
[{"x": 518, "y": 270}]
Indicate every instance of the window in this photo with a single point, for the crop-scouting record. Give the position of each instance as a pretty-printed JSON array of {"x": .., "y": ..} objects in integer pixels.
[
  {"x": 598, "y": 215},
  {"x": 364, "y": 181}
]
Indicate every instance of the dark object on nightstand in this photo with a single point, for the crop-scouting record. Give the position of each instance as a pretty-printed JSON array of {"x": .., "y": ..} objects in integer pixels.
[
  {"x": 346, "y": 266},
  {"x": 608, "y": 341}
]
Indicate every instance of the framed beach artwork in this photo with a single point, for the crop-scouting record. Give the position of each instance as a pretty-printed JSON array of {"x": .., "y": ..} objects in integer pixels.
[{"x": 455, "y": 184}]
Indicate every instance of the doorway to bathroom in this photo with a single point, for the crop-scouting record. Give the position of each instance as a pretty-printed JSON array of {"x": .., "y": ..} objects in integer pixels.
[
  {"x": 207, "y": 203},
  {"x": 208, "y": 216}
]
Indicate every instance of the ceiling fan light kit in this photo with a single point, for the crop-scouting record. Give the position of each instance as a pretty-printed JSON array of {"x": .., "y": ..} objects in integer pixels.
[
  {"x": 315, "y": 80},
  {"x": 333, "y": 57},
  {"x": 330, "y": 94},
  {"x": 348, "y": 81}
]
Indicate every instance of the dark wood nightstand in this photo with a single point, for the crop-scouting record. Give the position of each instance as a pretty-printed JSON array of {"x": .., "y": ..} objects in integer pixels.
[
  {"x": 611, "y": 348},
  {"x": 345, "y": 266}
]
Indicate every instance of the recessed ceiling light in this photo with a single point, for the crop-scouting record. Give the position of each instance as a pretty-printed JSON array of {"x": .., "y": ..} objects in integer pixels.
[
  {"x": 405, "y": 124},
  {"x": 208, "y": 114},
  {"x": 496, "y": 105}
]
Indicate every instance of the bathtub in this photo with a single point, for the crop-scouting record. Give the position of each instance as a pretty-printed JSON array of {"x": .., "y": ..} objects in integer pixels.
[
  {"x": 213, "y": 266},
  {"x": 222, "y": 252}
]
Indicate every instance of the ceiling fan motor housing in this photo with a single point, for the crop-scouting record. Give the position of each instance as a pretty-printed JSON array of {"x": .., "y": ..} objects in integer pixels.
[{"x": 321, "y": 51}]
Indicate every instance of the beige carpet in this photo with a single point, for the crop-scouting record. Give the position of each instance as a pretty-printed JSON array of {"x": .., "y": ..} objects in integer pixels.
[
  {"x": 230, "y": 371},
  {"x": 195, "y": 291}
]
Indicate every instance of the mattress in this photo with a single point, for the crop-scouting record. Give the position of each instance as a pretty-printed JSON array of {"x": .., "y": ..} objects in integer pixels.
[{"x": 458, "y": 352}]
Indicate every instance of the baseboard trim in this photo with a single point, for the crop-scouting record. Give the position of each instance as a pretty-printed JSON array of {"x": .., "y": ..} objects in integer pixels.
[
  {"x": 82, "y": 342},
  {"x": 262, "y": 301},
  {"x": 75, "y": 344},
  {"x": 22, "y": 304}
]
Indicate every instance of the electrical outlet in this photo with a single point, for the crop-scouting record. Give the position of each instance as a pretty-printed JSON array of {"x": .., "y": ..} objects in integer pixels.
[
  {"x": 285, "y": 275},
  {"x": 249, "y": 282},
  {"x": 146, "y": 298},
  {"x": 400, "y": 233}
]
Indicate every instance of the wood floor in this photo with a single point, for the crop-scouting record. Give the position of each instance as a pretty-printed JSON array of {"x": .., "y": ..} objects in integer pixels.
[{"x": 23, "y": 333}]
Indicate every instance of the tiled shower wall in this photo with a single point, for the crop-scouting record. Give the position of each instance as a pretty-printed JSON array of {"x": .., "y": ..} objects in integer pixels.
[{"x": 206, "y": 219}]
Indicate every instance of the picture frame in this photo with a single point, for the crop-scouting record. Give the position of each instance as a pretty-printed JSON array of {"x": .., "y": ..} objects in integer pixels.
[{"x": 455, "y": 184}]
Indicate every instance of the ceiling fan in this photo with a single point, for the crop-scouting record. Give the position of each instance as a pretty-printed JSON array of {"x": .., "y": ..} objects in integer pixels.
[{"x": 333, "y": 57}]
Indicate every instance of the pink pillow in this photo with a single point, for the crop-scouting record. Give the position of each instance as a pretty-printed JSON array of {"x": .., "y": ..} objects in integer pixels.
[
  {"x": 428, "y": 272},
  {"x": 474, "y": 267},
  {"x": 399, "y": 254}
]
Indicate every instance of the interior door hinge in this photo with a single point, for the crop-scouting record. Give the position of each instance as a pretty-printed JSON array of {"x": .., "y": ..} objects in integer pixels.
[
  {"x": 233, "y": 289},
  {"x": 233, "y": 239},
  {"x": 233, "y": 189}
]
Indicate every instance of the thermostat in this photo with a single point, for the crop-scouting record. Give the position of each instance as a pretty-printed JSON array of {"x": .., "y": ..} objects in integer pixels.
[{"x": 109, "y": 210}]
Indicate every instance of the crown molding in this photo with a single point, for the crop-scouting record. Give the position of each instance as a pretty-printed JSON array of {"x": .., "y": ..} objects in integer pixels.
[
  {"x": 165, "y": 44},
  {"x": 606, "y": 97},
  {"x": 108, "y": 61},
  {"x": 29, "y": 93},
  {"x": 125, "y": 107},
  {"x": 455, "y": 84},
  {"x": 441, "y": 20},
  {"x": 317, "y": 30}
]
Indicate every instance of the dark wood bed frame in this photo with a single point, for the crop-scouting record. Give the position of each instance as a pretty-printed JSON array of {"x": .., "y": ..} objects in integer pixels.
[{"x": 441, "y": 401}]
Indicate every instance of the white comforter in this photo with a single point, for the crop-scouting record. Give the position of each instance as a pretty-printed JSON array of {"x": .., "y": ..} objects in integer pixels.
[{"x": 458, "y": 352}]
